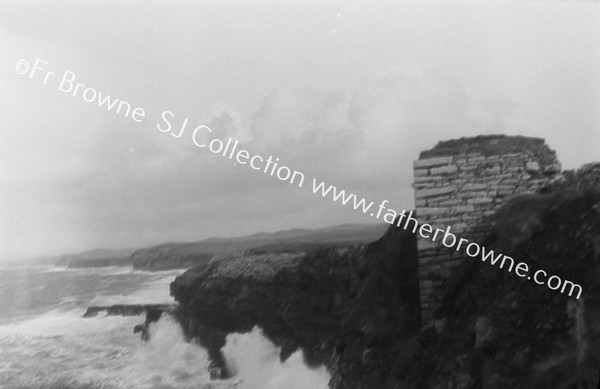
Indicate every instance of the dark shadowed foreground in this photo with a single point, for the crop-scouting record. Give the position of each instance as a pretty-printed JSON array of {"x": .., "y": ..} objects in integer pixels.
[{"x": 356, "y": 309}]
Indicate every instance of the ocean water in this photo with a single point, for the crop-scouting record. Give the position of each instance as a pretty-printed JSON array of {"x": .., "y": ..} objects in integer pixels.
[{"x": 46, "y": 343}]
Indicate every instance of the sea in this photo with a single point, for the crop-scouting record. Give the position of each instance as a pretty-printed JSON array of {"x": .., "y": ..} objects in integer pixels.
[{"x": 45, "y": 343}]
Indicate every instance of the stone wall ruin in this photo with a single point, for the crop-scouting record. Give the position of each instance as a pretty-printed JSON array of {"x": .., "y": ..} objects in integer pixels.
[{"x": 461, "y": 183}]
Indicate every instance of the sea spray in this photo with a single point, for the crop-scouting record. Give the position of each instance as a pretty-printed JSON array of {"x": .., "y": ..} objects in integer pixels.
[
  {"x": 174, "y": 361},
  {"x": 255, "y": 363},
  {"x": 46, "y": 343}
]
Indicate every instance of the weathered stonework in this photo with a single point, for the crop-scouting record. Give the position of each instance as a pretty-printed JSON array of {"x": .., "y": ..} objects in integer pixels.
[
  {"x": 460, "y": 183},
  {"x": 586, "y": 178}
]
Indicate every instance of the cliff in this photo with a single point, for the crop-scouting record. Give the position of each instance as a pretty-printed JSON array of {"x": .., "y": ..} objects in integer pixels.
[
  {"x": 356, "y": 309},
  {"x": 345, "y": 307},
  {"x": 359, "y": 309},
  {"x": 186, "y": 255}
]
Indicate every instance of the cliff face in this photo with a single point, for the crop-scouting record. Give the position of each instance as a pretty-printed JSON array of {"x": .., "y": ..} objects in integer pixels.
[
  {"x": 403, "y": 312},
  {"x": 356, "y": 309},
  {"x": 346, "y": 307}
]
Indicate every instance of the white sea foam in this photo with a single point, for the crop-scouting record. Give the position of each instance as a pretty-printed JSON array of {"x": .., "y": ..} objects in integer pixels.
[
  {"x": 153, "y": 292},
  {"x": 256, "y": 365},
  {"x": 63, "y": 349},
  {"x": 59, "y": 349}
]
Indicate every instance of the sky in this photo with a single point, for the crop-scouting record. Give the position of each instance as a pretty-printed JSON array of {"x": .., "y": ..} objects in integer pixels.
[{"x": 344, "y": 91}]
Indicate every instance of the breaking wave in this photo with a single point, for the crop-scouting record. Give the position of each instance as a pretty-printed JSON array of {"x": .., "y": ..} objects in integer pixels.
[{"x": 56, "y": 348}]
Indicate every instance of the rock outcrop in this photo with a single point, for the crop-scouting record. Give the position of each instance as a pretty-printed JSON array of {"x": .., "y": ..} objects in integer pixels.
[
  {"x": 356, "y": 309},
  {"x": 153, "y": 314},
  {"x": 345, "y": 307},
  {"x": 128, "y": 309}
]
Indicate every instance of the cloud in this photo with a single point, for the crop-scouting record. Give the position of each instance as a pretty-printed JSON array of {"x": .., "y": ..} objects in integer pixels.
[
  {"x": 74, "y": 176},
  {"x": 121, "y": 183}
]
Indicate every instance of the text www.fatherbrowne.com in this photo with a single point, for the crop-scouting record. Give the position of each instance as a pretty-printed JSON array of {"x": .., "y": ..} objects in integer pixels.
[
  {"x": 69, "y": 84},
  {"x": 448, "y": 239}
]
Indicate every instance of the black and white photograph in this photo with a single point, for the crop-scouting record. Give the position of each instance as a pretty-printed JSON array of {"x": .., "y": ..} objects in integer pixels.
[{"x": 300, "y": 194}]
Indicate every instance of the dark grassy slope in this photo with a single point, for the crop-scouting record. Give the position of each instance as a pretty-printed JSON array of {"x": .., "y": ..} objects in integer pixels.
[{"x": 503, "y": 331}]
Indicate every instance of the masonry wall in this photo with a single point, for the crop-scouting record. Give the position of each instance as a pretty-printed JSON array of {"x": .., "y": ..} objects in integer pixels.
[{"x": 460, "y": 183}]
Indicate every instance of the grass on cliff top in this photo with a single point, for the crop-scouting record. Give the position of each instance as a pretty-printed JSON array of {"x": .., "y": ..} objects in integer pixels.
[
  {"x": 261, "y": 267},
  {"x": 488, "y": 145}
]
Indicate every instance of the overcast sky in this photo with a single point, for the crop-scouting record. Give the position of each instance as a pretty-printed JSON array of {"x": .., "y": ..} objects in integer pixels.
[{"x": 348, "y": 92}]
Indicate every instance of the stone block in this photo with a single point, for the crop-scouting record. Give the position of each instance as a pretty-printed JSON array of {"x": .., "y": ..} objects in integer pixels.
[
  {"x": 501, "y": 187},
  {"x": 447, "y": 220},
  {"x": 449, "y": 202},
  {"x": 437, "y": 200},
  {"x": 493, "y": 170},
  {"x": 487, "y": 180},
  {"x": 437, "y": 225},
  {"x": 504, "y": 176},
  {"x": 425, "y": 244},
  {"x": 532, "y": 166},
  {"x": 538, "y": 181},
  {"x": 445, "y": 170},
  {"x": 493, "y": 159},
  {"x": 421, "y": 172},
  {"x": 431, "y": 211},
  {"x": 438, "y": 161},
  {"x": 460, "y": 227},
  {"x": 426, "y": 284},
  {"x": 428, "y": 179},
  {"x": 476, "y": 159},
  {"x": 464, "y": 209},
  {"x": 471, "y": 195},
  {"x": 504, "y": 193},
  {"x": 473, "y": 187},
  {"x": 552, "y": 168},
  {"x": 468, "y": 168},
  {"x": 423, "y": 185},
  {"x": 427, "y": 193},
  {"x": 481, "y": 201}
]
